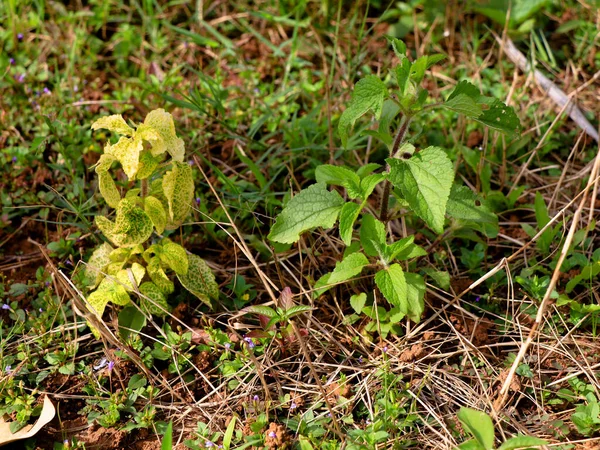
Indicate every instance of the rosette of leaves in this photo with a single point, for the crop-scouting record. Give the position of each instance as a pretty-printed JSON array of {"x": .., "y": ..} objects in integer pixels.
[
  {"x": 421, "y": 183},
  {"x": 151, "y": 155}
]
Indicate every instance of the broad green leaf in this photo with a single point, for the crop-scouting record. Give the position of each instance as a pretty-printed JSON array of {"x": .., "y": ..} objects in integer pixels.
[
  {"x": 147, "y": 165},
  {"x": 522, "y": 442},
  {"x": 114, "y": 123},
  {"x": 153, "y": 300},
  {"x": 393, "y": 250},
  {"x": 425, "y": 181},
  {"x": 441, "y": 278},
  {"x": 415, "y": 292},
  {"x": 127, "y": 152},
  {"x": 155, "y": 210},
  {"x": 336, "y": 175},
  {"x": 132, "y": 225},
  {"x": 108, "y": 291},
  {"x": 261, "y": 310},
  {"x": 344, "y": 270},
  {"x": 463, "y": 104},
  {"x": 471, "y": 444},
  {"x": 392, "y": 284},
  {"x": 358, "y": 301},
  {"x": 297, "y": 310},
  {"x": 367, "y": 169},
  {"x": 200, "y": 280},
  {"x": 369, "y": 94},
  {"x": 372, "y": 235},
  {"x": 162, "y": 123},
  {"x": 167, "y": 442},
  {"x": 368, "y": 184},
  {"x": 502, "y": 118},
  {"x": 135, "y": 272},
  {"x": 174, "y": 256},
  {"x": 178, "y": 188},
  {"x": 402, "y": 74},
  {"x": 464, "y": 204},
  {"x": 159, "y": 277},
  {"x": 479, "y": 425},
  {"x": 97, "y": 263},
  {"x": 348, "y": 216},
  {"x": 131, "y": 319},
  {"x": 398, "y": 46},
  {"x": 312, "y": 207},
  {"x": 108, "y": 189}
]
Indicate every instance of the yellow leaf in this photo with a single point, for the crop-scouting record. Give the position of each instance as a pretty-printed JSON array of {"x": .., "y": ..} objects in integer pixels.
[
  {"x": 162, "y": 123},
  {"x": 178, "y": 188},
  {"x": 97, "y": 263},
  {"x": 114, "y": 123},
  {"x": 127, "y": 151}
]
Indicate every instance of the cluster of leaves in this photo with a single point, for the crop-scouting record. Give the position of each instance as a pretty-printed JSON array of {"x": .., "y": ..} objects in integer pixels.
[
  {"x": 421, "y": 182},
  {"x": 134, "y": 263}
]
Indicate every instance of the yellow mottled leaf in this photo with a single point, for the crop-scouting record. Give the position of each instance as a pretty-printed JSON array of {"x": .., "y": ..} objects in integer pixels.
[
  {"x": 148, "y": 164},
  {"x": 108, "y": 291},
  {"x": 114, "y": 123},
  {"x": 178, "y": 188},
  {"x": 108, "y": 189},
  {"x": 127, "y": 152},
  {"x": 132, "y": 225},
  {"x": 200, "y": 280},
  {"x": 162, "y": 123},
  {"x": 159, "y": 277},
  {"x": 104, "y": 163},
  {"x": 156, "y": 212},
  {"x": 136, "y": 271},
  {"x": 153, "y": 300},
  {"x": 97, "y": 263}
]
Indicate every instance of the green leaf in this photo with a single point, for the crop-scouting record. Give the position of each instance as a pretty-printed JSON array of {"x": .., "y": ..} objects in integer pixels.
[
  {"x": 174, "y": 256},
  {"x": 108, "y": 291},
  {"x": 135, "y": 273},
  {"x": 178, "y": 189},
  {"x": 425, "y": 181},
  {"x": 261, "y": 310},
  {"x": 398, "y": 46},
  {"x": 200, "y": 280},
  {"x": 297, "y": 310},
  {"x": 130, "y": 320},
  {"x": 153, "y": 300},
  {"x": 392, "y": 284},
  {"x": 502, "y": 118},
  {"x": 228, "y": 436},
  {"x": 132, "y": 225},
  {"x": 348, "y": 216},
  {"x": 147, "y": 165},
  {"x": 344, "y": 270},
  {"x": 97, "y": 264},
  {"x": 415, "y": 292},
  {"x": 162, "y": 123},
  {"x": 441, "y": 278},
  {"x": 471, "y": 444},
  {"x": 114, "y": 123},
  {"x": 464, "y": 204},
  {"x": 369, "y": 94},
  {"x": 108, "y": 189},
  {"x": 479, "y": 425},
  {"x": 358, "y": 301},
  {"x": 312, "y": 207},
  {"x": 155, "y": 210},
  {"x": 372, "y": 235},
  {"x": 463, "y": 104},
  {"x": 336, "y": 175},
  {"x": 403, "y": 246},
  {"x": 522, "y": 442},
  {"x": 159, "y": 277},
  {"x": 368, "y": 184}
]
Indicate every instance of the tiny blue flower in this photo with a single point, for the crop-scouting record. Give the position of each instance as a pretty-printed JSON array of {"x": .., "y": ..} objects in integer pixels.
[
  {"x": 21, "y": 78},
  {"x": 75, "y": 88},
  {"x": 477, "y": 298},
  {"x": 197, "y": 199},
  {"x": 293, "y": 406},
  {"x": 227, "y": 346},
  {"x": 249, "y": 342},
  {"x": 47, "y": 91},
  {"x": 272, "y": 434},
  {"x": 20, "y": 36},
  {"x": 8, "y": 369},
  {"x": 190, "y": 162},
  {"x": 6, "y": 306},
  {"x": 41, "y": 310},
  {"x": 255, "y": 398},
  {"x": 360, "y": 359},
  {"x": 11, "y": 60},
  {"x": 14, "y": 159},
  {"x": 209, "y": 444},
  {"x": 111, "y": 365},
  {"x": 385, "y": 349}
]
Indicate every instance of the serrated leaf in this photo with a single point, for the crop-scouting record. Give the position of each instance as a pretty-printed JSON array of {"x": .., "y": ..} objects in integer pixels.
[
  {"x": 114, "y": 123},
  {"x": 131, "y": 227},
  {"x": 174, "y": 256},
  {"x": 312, "y": 207},
  {"x": 425, "y": 181},
  {"x": 358, "y": 301},
  {"x": 97, "y": 263},
  {"x": 463, "y": 104},
  {"x": 372, "y": 235},
  {"x": 261, "y": 310},
  {"x": 392, "y": 284},
  {"x": 108, "y": 189},
  {"x": 135, "y": 272},
  {"x": 104, "y": 163},
  {"x": 522, "y": 442},
  {"x": 162, "y": 122},
  {"x": 393, "y": 250},
  {"x": 156, "y": 212},
  {"x": 344, "y": 270},
  {"x": 200, "y": 280},
  {"x": 127, "y": 152},
  {"x": 415, "y": 293},
  {"x": 156, "y": 301},
  {"x": 348, "y": 216},
  {"x": 178, "y": 189},
  {"x": 159, "y": 277},
  {"x": 441, "y": 278},
  {"x": 479, "y": 425},
  {"x": 398, "y": 46},
  {"x": 369, "y": 94},
  {"x": 368, "y": 184}
]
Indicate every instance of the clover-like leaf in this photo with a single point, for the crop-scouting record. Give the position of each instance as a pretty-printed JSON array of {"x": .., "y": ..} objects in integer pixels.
[
  {"x": 155, "y": 210},
  {"x": 425, "y": 181},
  {"x": 114, "y": 123},
  {"x": 312, "y": 207},
  {"x": 178, "y": 189},
  {"x": 200, "y": 280},
  {"x": 162, "y": 123},
  {"x": 369, "y": 95},
  {"x": 97, "y": 263},
  {"x": 132, "y": 225},
  {"x": 153, "y": 300},
  {"x": 159, "y": 277}
]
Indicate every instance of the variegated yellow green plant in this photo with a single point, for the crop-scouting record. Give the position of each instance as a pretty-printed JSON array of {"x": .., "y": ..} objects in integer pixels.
[{"x": 138, "y": 259}]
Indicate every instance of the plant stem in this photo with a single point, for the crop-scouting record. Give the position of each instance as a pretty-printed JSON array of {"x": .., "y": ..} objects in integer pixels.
[
  {"x": 144, "y": 188},
  {"x": 383, "y": 216}
]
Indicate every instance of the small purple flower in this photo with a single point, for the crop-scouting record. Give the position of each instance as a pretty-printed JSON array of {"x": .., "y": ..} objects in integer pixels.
[
  {"x": 360, "y": 359},
  {"x": 11, "y": 61},
  {"x": 385, "y": 349},
  {"x": 47, "y": 91},
  {"x": 209, "y": 444},
  {"x": 8, "y": 369},
  {"x": 75, "y": 88},
  {"x": 190, "y": 162},
  {"x": 249, "y": 342},
  {"x": 111, "y": 365},
  {"x": 14, "y": 159},
  {"x": 477, "y": 298},
  {"x": 68, "y": 262},
  {"x": 20, "y": 36},
  {"x": 37, "y": 93},
  {"x": 20, "y": 78},
  {"x": 293, "y": 406},
  {"x": 328, "y": 414},
  {"x": 41, "y": 310},
  {"x": 272, "y": 434},
  {"x": 6, "y": 306},
  {"x": 255, "y": 398},
  {"x": 227, "y": 346},
  {"x": 256, "y": 91},
  {"x": 198, "y": 200},
  {"x": 47, "y": 283}
]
